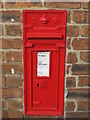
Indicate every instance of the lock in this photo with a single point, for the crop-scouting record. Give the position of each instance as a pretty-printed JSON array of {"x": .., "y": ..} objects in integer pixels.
[{"x": 40, "y": 84}]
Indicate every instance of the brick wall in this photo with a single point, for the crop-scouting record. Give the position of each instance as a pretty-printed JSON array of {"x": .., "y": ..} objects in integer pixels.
[{"x": 77, "y": 57}]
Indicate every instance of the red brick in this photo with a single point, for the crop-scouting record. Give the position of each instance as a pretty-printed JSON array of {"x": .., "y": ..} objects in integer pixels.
[
  {"x": 80, "y": 69},
  {"x": 80, "y": 44},
  {"x": 17, "y": 44},
  {"x": 80, "y": 17},
  {"x": 12, "y": 93},
  {"x": 1, "y": 27},
  {"x": 7, "y": 16},
  {"x": 84, "y": 81},
  {"x": 4, "y": 104},
  {"x": 68, "y": 68},
  {"x": 82, "y": 105},
  {"x": 88, "y": 16},
  {"x": 85, "y": 5},
  {"x": 1, "y": 4},
  {"x": 0, "y": 105},
  {"x": 12, "y": 114},
  {"x": 6, "y": 43},
  {"x": 72, "y": 31},
  {"x": 14, "y": 56},
  {"x": 2, "y": 56},
  {"x": 65, "y": 5},
  {"x": 0, "y": 113},
  {"x": 84, "y": 31},
  {"x": 68, "y": 17},
  {"x": 69, "y": 106},
  {"x": 3, "y": 81},
  {"x": 68, "y": 43},
  {"x": 85, "y": 56},
  {"x": 0, "y": 43},
  {"x": 11, "y": 43},
  {"x": 6, "y": 68},
  {"x": 15, "y": 105},
  {"x": 77, "y": 115},
  {"x": 72, "y": 58},
  {"x": 13, "y": 30},
  {"x": 51, "y": 4},
  {"x": 19, "y": 5},
  {"x": 4, "y": 114},
  {"x": 14, "y": 81},
  {"x": 1, "y": 30},
  {"x": 70, "y": 82},
  {"x": 78, "y": 93},
  {"x": 37, "y": 3}
]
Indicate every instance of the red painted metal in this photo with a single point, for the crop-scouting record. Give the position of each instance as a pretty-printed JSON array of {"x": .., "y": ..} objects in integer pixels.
[{"x": 45, "y": 31}]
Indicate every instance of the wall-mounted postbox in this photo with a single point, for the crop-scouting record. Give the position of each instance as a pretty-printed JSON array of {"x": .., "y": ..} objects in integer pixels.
[{"x": 44, "y": 33}]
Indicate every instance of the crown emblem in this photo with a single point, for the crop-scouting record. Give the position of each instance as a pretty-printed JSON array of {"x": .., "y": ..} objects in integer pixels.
[{"x": 44, "y": 19}]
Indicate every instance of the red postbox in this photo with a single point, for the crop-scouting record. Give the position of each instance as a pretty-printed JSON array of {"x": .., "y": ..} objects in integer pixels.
[{"x": 44, "y": 34}]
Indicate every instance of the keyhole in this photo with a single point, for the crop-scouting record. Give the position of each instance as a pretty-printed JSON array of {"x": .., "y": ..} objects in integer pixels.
[{"x": 37, "y": 84}]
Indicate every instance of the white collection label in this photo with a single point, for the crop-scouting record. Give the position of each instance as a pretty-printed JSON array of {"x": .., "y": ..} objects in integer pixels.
[{"x": 43, "y": 63}]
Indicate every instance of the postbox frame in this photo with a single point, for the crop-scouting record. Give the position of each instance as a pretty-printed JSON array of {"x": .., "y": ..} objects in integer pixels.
[{"x": 61, "y": 50}]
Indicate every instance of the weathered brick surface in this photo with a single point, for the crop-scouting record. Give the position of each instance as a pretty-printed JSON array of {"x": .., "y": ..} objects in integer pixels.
[
  {"x": 80, "y": 17},
  {"x": 11, "y": 43},
  {"x": 15, "y": 105},
  {"x": 84, "y": 31},
  {"x": 1, "y": 30},
  {"x": 77, "y": 115},
  {"x": 80, "y": 44},
  {"x": 70, "y": 106},
  {"x": 85, "y": 56},
  {"x": 72, "y": 58},
  {"x": 3, "y": 81},
  {"x": 0, "y": 104},
  {"x": 1, "y": 4},
  {"x": 70, "y": 5},
  {"x": 14, "y": 81},
  {"x": 70, "y": 82},
  {"x": 84, "y": 81},
  {"x": 72, "y": 31},
  {"x": 19, "y": 5},
  {"x": 13, "y": 30},
  {"x": 85, "y": 5},
  {"x": 88, "y": 16},
  {"x": 6, "y": 43},
  {"x": 80, "y": 69},
  {"x": 12, "y": 93},
  {"x": 78, "y": 93},
  {"x": 6, "y": 68},
  {"x": 4, "y": 105},
  {"x": 14, "y": 56},
  {"x": 2, "y": 56},
  {"x": 11, "y": 16},
  {"x": 68, "y": 68},
  {"x": 69, "y": 43},
  {"x": 37, "y": 3},
  {"x": 68, "y": 17},
  {"x": 12, "y": 114},
  {"x": 82, "y": 105}
]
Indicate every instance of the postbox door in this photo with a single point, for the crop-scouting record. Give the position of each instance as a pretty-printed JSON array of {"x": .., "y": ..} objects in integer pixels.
[
  {"x": 45, "y": 87},
  {"x": 44, "y": 31}
]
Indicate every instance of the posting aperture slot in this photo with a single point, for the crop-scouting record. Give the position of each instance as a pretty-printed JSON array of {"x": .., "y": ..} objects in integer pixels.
[{"x": 44, "y": 36}]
